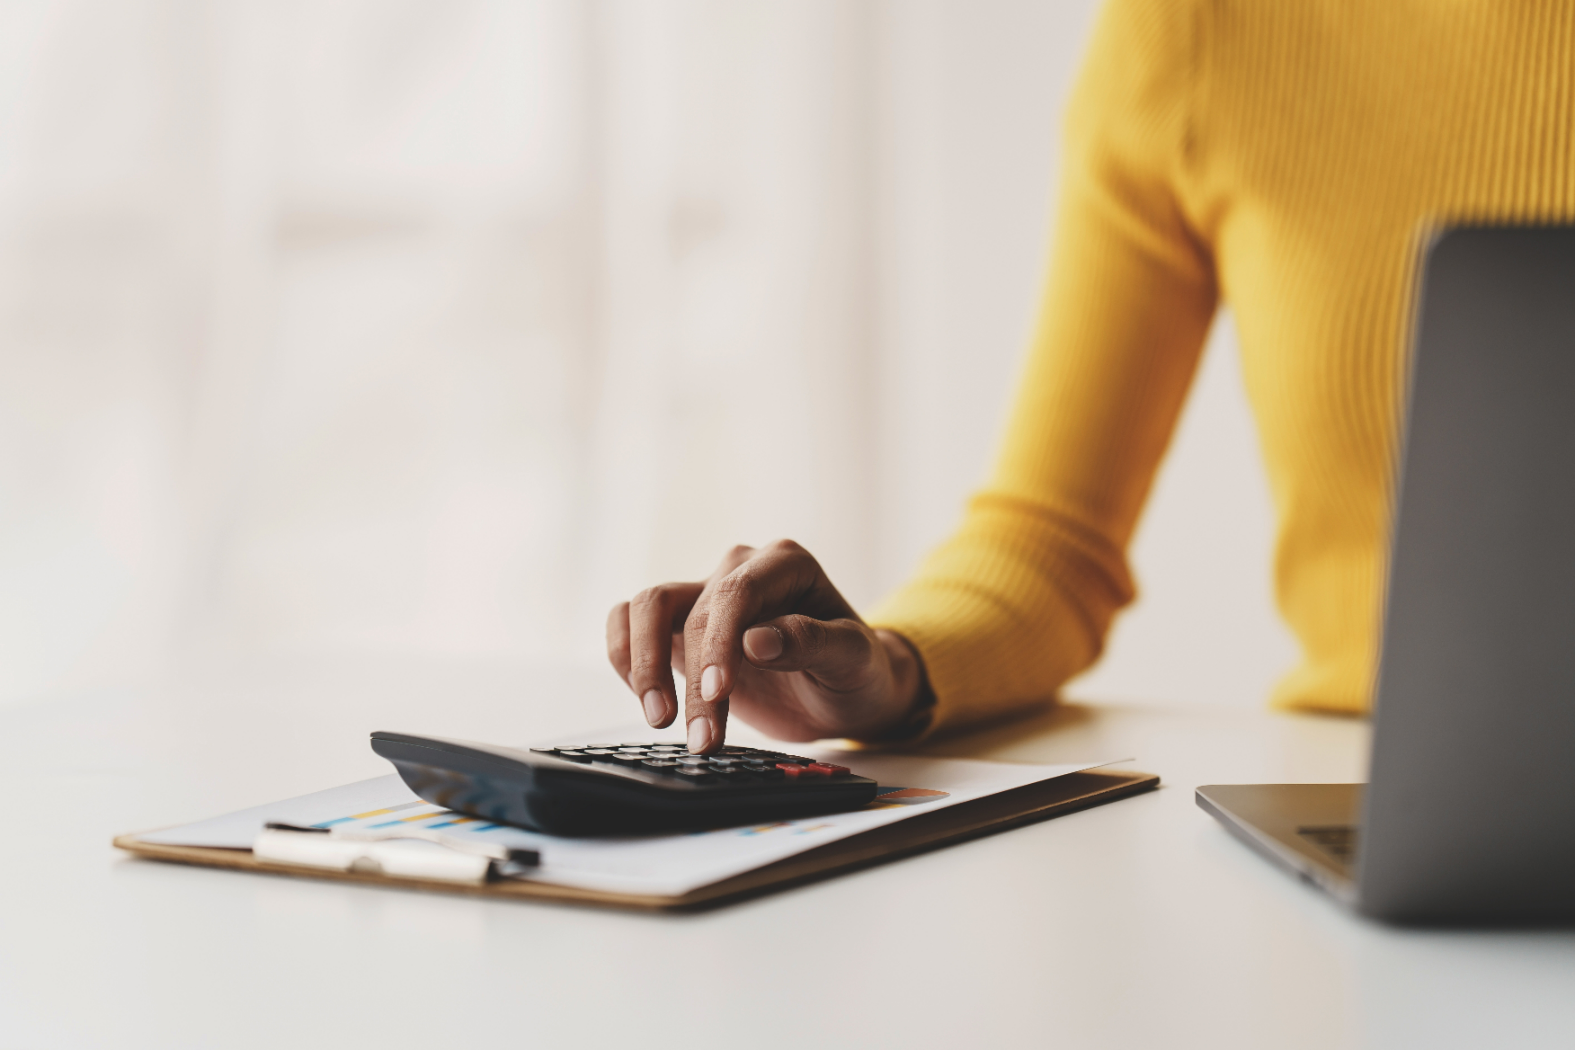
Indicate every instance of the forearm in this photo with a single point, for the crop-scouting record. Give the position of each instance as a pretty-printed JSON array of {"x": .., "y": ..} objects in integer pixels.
[{"x": 1020, "y": 598}]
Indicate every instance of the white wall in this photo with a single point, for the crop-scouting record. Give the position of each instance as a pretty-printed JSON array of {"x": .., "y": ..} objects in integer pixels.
[{"x": 412, "y": 328}]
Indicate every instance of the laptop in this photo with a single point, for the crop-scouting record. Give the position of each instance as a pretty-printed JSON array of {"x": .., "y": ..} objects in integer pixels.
[{"x": 1468, "y": 815}]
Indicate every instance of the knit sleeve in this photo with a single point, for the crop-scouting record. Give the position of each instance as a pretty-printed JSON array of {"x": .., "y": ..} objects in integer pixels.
[{"x": 1021, "y": 597}]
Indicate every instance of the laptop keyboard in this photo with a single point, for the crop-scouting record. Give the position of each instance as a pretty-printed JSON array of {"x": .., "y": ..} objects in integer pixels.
[{"x": 1337, "y": 840}]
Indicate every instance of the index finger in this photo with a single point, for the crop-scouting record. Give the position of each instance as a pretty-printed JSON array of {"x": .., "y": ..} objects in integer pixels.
[{"x": 782, "y": 577}]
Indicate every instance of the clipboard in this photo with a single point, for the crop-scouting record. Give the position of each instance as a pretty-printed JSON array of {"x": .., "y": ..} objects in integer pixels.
[{"x": 923, "y": 832}]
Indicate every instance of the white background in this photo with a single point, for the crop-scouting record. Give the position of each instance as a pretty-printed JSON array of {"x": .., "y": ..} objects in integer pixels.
[{"x": 396, "y": 330}]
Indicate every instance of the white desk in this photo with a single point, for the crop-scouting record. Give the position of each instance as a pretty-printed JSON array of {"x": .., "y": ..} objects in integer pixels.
[{"x": 1138, "y": 924}]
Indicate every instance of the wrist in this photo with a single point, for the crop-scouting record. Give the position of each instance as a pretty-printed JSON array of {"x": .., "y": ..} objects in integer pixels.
[{"x": 913, "y": 701}]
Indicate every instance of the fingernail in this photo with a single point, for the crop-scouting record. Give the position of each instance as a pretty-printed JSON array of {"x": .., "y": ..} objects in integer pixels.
[
  {"x": 763, "y": 643},
  {"x": 711, "y": 682},
  {"x": 699, "y": 733},
  {"x": 655, "y": 707}
]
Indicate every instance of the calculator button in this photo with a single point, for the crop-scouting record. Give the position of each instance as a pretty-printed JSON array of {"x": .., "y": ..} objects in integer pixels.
[
  {"x": 599, "y": 747},
  {"x": 544, "y": 750},
  {"x": 726, "y": 762},
  {"x": 596, "y": 751},
  {"x": 667, "y": 747},
  {"x": 630, "y": 749},
  {"x": 692, "y": 760},
  {"x": 826, "y": 769},
  {"x": 699, "y": 776},
  {"x": 794, "y": 759},
  {"x": 795, "y": 772},
  {"x": 767, "y": 772},
  {"x": 630, "y": 759},
  {"x": 664, "y": 764}
]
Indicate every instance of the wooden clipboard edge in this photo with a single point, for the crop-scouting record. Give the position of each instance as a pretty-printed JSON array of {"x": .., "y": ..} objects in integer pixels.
[
  {"x": 969, "y": 820},
  {"x": 920, "y": 834}
]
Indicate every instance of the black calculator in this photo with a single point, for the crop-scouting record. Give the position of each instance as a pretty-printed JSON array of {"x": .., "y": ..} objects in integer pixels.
[{"x": 613, "y": 789}]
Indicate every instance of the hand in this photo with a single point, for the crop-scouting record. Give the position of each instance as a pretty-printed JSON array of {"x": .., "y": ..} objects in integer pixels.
[{"x": 768, "y": 635}]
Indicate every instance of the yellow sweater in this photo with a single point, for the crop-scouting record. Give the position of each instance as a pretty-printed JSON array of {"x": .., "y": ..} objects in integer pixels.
[{"x": 1284, "y": 156}]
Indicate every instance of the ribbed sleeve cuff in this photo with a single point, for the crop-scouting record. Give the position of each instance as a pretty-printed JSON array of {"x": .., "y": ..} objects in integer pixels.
[{"x": 994, "y": 618}]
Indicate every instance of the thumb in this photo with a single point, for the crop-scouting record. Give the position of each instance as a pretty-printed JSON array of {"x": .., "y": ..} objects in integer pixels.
[{"x": 838, "y": 653}]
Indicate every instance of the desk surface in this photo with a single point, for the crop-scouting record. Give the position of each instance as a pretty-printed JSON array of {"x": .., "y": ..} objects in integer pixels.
[{"x": 1139, "y": 924}]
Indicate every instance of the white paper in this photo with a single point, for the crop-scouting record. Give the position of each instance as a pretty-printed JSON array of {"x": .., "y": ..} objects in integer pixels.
[{"x": 662, "y": 865}]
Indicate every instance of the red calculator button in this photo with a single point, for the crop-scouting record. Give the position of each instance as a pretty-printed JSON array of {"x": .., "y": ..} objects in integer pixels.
[
  {"x": 795, "y": 772},
  {"x": 826, "y": 769}
]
